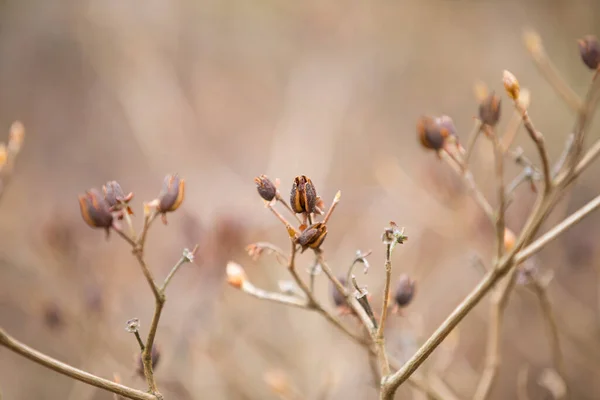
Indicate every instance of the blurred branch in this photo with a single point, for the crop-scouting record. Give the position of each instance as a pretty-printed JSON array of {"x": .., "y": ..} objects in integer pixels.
[
  {"x": 72, "y": 372},
  {"x": 498, "y": 305}
]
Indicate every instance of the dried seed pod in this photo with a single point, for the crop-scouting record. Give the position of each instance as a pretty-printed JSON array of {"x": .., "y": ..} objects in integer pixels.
[
  {"x": 303, "y": 197},
  {"x": 511, "y": 85},
  {"x": 154, "y": 356},
  {"x": 432, "y": 134},
  {"x": 95, "y": 210},
  {"x": 171, "y": 195},
  {"x": 266, "y": 189},
  {"x": 589, "y": 49},
  {"x": 489, "y": 110},
  {"x": 312, "y": 237},
  {"x": 405, "y": 291},
  {"x": 114, "y": 195}
]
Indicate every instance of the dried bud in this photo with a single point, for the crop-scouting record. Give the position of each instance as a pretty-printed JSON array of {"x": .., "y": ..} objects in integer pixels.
[
  {"x": 95, "y": 210},
  {"x": 489, "y": 110},
  {"x": 511, "y": 85},
  {"x": 433, "y": 132},
  {"x": 266, "y": 189},
  {"x": 405, "y": 291},
  {"x": 171, "y": 195},
  {"x": 236, "y": 276},
  {"x": 154, "y": 356},
  {"x": 133, "y": 325},
  {"x": 312, "y": 237},
  {"x": 303, "y": 196},
  {"x": 392, "y": 235},
  {"x": 16, "y": 137},
  {"x": 114, "y": 196},
  {"x": 589, "y": 48}
]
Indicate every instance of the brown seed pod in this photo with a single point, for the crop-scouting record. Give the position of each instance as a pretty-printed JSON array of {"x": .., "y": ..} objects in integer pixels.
[
  {"x": 266, "y": 189},
  {"x": 171, "y": 195},
  {"x": 433, "y": 132},
  {"x": 114, "y": 195},
  {"x": 312, "y": 237},
  {"x": 489, "y": 110},
  {"x": 303, "y": 197},
  {"x": 589, "y": 49},
  {"x": 95, "y": 210},
  {"x": 405, "y": 291}
]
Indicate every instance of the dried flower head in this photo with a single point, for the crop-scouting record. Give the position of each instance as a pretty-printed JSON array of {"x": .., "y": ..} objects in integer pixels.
[
  {"x": 114, "y": 195},
  {"x": 171, "y": 195},
  {"x": 489, "y": 110},
  {"x": 511, "y": 85},
  {"x": 405, "y": 291},
  {"x": 303, "y": 197},
  {"x": 236, "y": 276},
  {"x": 95, "y": 210},
  {"x": 393, "y": 235},
  {"x": 313, "y": 236},
  {"x": 133, "y": 325},
  {"x": 589, "y": 48},
  {"x": 433, "y": 132},
  {"x": 266, "y": 189},
  {"x": 154, "y": 356}
]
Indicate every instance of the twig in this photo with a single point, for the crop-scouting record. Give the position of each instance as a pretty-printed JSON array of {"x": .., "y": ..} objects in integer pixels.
[
  {"x": 336, "y": 200},
  {"x": 72, "y": 372},
  {"x": 294, "y": 301},
  {"x": 557, "y": 230},
  {"x": 188, "y": 256},
  {"x": 498, "y": 305},
  {"x": 538, "y": 139},
  {"x": 136, "y": 333},
  {"x": 380, "y": 341},
  {"x": 545, "y": 66},
  {"x": 284, "y": 221},
  {"x": 546, "y": 306},
  {"x": 360, "y": 257},
  {"x": 148, "y": 219},
  {"x": 499, "y": 161},
  {"x": 471, "y": 142}
]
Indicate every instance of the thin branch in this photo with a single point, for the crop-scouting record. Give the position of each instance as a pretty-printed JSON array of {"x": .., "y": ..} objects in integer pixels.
[
  {"x": 293, "y": 301},
  {"x": 538, "y": 139},
  {"x": 557, "y": 230},
  {"x": 148, "y": 274},
  {"x": 148, "y": 219},
  {"x": 542, "y": 295},
  {"x": 499, "y": 161},
  {"x": 72, "y": 372},
  {"x": 498, "y": 306},
  {"x": 391, "y": 384},
  {"x": 383, "y": 361},
  {"x": 549, "y": 71},
  {"x": 136, "y": 333},
  {"x": 471, "y": 142},
  {"x": 188, "y": 256}
]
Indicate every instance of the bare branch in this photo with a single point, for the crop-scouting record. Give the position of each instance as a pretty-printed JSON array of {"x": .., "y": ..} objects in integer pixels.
[{"x": 72, "y": 372}]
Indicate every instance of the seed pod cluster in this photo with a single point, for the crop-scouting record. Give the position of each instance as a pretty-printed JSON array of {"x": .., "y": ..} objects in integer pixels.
[
  {"x": 95, "y": 210},
  {"x": 589, "y": 49},
  {"x": 433, "y": 132},
  {"x": 303, "y": 197},
  {"x": 171, "y": 195}
]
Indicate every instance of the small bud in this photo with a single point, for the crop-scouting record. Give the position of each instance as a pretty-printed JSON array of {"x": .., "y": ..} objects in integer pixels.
[
  {"x": 489, "y": 110},
  {"x": 95, "y": 210},
  {"x": 266, "y": 189},
  {"x": 509, "y": 239},
  {"x": 3, "y": 156},
  {"x": 511, "y": 85},
  {"x": 16, "y": 137},
  {"x": 392, "y": 235},
  {"x": 171, "y": 195},
  {"x": 405, "y": 291},
  {"x": 236, "y": 276},
  {"x": 589, "y": 48},
  {"x": 303, "y": 197},
  {"x": 312, "y": 237},
  {"x": 533, "y": 42},
  {"x": 114, "y": 196},
  {"x": 154, "y": 356},
  {"x": 433, "y": 132}
]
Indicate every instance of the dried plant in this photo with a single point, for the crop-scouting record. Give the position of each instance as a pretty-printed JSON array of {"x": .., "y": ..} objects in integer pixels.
[{"x": 307, "y": 230}]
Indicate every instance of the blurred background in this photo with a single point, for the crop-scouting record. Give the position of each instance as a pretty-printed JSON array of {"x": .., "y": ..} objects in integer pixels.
[{"x": 221, "y": 91}]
